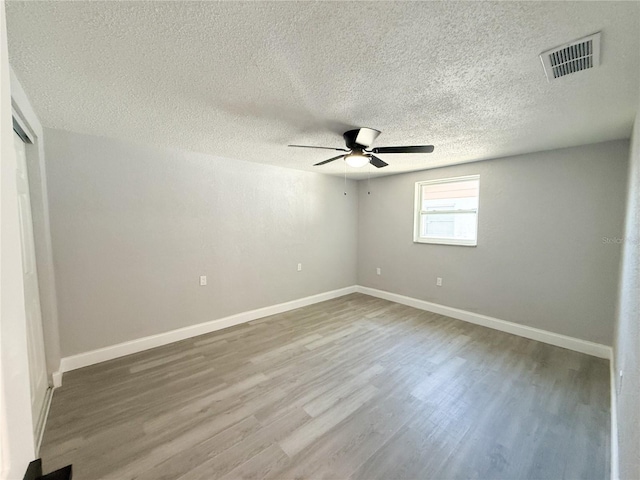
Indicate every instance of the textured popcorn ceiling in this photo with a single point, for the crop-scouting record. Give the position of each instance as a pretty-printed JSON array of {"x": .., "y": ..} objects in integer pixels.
[{"x": 242, "y": 80}]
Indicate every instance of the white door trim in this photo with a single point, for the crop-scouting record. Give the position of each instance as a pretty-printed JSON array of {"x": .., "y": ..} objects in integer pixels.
[
  {"x": 39, "y": 378},
  {"x": 42, "y": 419}
]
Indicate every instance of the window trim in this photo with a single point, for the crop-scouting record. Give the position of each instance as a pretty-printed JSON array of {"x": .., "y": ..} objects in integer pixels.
[{"x": 417, "y": 212}]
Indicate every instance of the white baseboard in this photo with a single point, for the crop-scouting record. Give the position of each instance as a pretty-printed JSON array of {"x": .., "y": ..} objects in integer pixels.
[
  {"x": 134, "y": 346},
  {"x": 615, "y": 473},
  {"x": 571, "y": 343},
  {"x": 56, "y": 379}
]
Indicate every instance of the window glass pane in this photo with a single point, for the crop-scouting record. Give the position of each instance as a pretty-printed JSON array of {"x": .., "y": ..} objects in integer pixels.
[
  {"x": 461, "y": 195},
  {"x": 449, "y": 225}
]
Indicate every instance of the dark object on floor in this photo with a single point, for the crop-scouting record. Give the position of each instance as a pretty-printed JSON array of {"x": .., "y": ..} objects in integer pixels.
[{"x": 34, "y": 472}]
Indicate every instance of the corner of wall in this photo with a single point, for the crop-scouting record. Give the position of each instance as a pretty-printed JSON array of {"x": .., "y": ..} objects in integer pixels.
[{"x": 625, "y": 371}]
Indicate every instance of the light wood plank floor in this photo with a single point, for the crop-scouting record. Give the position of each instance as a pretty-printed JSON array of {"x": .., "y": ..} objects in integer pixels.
[{"x": 356, "y": 387}]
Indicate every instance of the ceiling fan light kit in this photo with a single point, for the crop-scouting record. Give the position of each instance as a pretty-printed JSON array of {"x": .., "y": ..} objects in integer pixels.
[
  {"x": 359, "y": 154},
  {"x": 356, "y": 159}
]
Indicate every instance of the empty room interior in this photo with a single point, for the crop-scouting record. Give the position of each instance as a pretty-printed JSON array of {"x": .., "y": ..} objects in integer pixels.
[{"x": 320, "y": 240}]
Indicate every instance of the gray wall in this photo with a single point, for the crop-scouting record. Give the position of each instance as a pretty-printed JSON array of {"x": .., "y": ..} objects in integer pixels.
[
  {"x": 540, "y": 261},
  {"x": 627, "y": 341},
  {"x": 133, "y": 227}
]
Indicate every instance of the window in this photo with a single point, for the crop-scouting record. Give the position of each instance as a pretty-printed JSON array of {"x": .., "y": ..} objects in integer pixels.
[{"x": 446, "y": 211}]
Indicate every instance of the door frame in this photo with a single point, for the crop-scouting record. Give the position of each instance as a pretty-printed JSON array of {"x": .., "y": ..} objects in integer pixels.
[
  {"x": 22, "y": 129},
  {"x": 24, "y": 113}
]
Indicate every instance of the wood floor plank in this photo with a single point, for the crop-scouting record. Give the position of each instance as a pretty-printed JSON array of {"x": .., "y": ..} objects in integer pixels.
[
  {"x": 260, "y": 466},
  {"x": 183, "y": 461},
  {"x": 308, "y": 433},
  {"x": 244, "y": 451},
  {"x": 355, "y": 387}
]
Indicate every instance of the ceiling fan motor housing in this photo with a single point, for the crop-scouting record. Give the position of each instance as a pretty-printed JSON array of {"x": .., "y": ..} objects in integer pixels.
[
  {"x": 350, "y": 139},
  {"x": 360, "y": 138}
]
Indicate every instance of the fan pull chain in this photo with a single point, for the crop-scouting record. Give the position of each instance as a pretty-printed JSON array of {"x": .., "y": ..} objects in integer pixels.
[
  {"x": 345, "y": 177},
  {"x": 369, "y": 179}
]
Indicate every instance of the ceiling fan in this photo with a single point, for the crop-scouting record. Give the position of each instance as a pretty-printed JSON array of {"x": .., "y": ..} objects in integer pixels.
[{"x": 358, "y": 149}]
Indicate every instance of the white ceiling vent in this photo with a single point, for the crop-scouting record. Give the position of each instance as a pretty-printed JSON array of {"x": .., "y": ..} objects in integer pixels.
[{"x": 572, "y": 57}]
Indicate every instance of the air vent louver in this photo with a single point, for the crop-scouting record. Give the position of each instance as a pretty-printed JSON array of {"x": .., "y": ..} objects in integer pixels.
[{"x": 572, "y": 57}]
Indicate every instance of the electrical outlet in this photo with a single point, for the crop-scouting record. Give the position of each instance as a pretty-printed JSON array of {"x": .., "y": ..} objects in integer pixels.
[
  {"x": 439, "y": 281},
  {"x": 203, "y": 280},
  {"x": 299, "y": 267},
  {"x": 378, "y": 271}
]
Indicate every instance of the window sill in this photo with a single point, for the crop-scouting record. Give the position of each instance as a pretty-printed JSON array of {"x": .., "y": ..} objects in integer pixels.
[{"x": 447, "y": 241}]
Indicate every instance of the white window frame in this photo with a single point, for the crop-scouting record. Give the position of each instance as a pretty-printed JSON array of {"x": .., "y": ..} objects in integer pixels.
[{"x": 417, "y": 212}]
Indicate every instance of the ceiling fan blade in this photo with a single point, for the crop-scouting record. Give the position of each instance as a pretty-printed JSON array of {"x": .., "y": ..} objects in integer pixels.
[
  {"x": 414, "y": 149},
  {"x": 376, "y": 162},
  {"x": 323, "y": 148},
  {"x": 327, "y": 161}
]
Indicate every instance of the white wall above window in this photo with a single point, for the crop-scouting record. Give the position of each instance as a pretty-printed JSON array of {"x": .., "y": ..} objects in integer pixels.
[{"x": 446, "y": 211}]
